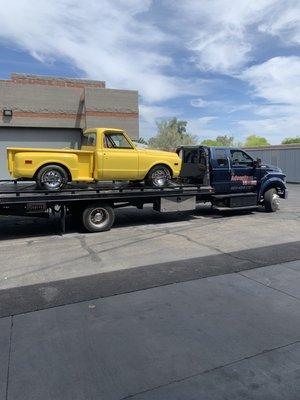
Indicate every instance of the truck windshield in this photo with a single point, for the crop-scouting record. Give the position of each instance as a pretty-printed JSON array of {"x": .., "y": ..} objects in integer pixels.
[{"x": 117, "y": 141}]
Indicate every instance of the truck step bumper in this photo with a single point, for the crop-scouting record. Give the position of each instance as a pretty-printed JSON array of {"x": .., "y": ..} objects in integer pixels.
[
  {"x": 235, "y": 200},
  {"x": 235, "y": 208}
]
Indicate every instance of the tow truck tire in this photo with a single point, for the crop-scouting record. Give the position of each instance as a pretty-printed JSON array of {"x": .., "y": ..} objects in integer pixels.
[
  {"x": 98, "y": 218},
  {"x": 51, "y": 177},
  {"x": 158, "y": 176},
  {"x": 271, "y": 200}
]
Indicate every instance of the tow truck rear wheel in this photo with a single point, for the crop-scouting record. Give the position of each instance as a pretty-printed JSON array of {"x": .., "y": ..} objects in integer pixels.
[
  {"x": 98, "y": 218},
  {"x": 271, "y": 200}
]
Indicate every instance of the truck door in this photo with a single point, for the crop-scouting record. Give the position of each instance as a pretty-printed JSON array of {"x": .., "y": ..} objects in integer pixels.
[
  {"x": 244, "y": 173},
  {"x": 220, "y": 169},
  {"x": 120, "y": 159}
]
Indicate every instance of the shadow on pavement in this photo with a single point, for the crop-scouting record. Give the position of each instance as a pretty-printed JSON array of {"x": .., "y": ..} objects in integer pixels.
[
  {"x": 15, "y": 227},
  {"x": 45, "y": 295}
]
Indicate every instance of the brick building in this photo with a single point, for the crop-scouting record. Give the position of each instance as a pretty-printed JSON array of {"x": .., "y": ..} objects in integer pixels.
[{"x": 42, "y": 111}]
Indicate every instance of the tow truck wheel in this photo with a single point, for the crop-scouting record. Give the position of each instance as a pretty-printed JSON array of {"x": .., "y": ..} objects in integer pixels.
[
  {"x": 51, "y": 177},
  {"x": 98, "y": 218},
  {"x": 271, "y": 200},
  {"x": 158, "y": 176}
]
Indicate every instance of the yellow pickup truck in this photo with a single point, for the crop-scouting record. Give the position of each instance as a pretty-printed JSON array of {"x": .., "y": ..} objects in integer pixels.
[{"x": 106, "y": 154}]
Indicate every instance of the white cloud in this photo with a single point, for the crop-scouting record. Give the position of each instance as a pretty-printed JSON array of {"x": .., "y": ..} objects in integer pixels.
[
  {"x": 277, "y": 110},
  {"x": 220, "y": 32},
  {"x": 199, "y": 103},
  {"x": 285, "y": 24},
  {"x": 223, "y": 51},
  {"x": 277, "y": 80},
  {"x": 226, "y": 106},
  {"x": 107, "y": 40},
  {"x": 224, "y": 35},
  {"x": 150, "y": 115},
  {"x": 201, "y": 127},
  {"x": 274, "y": 129},
  {"x": 203, "y": 121}
]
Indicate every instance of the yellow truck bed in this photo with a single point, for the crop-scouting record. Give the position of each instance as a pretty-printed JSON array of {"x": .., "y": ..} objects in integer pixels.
[{"x": 24, "y": 162}]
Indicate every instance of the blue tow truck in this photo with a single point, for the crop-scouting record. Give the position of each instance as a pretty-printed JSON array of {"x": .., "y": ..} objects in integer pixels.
[
  {"x": 238, "y": 180},
  {"x": 227, "y": 178}
]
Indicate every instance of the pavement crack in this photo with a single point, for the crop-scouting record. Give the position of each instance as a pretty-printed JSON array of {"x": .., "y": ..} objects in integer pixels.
[
  {"x": 269, "y": 286},
  {"x": 291, "y": 268},
  {"x": 9, "y": 356},
  {"x": 207, "y": 371},
  {"x": 93, "y": 255},
  {"x": 219, "y": 251},
  {"x": 136, "y": 241},
  {"x": 186, "y": 237}
]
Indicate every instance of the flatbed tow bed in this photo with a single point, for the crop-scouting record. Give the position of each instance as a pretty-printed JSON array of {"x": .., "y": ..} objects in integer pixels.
[{"x": 94, "y": 203}]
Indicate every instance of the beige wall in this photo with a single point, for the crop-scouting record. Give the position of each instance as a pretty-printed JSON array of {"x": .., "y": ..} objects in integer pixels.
[{"x": 51, "y": 104}]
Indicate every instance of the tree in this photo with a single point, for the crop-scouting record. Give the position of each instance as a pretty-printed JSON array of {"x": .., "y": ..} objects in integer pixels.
[
  {"x": 171, "y": 134},
  {"x": 291, "y": 140},
  {"x": 141, "y": 140},
  {"x": 210, "y": 142},
  {"x": 256, "y": 141},
  {"x": 226, "y": 141}
]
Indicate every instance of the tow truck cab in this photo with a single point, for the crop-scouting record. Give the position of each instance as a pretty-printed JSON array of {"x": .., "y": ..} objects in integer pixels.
[{"x": 232, "y": 172}]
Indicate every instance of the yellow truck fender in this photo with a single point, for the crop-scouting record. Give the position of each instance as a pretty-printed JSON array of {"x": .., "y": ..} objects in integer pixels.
[
  {"x": 162, "y": 162},
  {"x": 173, "y": 168},
  {"x": 27, "y": 164}
]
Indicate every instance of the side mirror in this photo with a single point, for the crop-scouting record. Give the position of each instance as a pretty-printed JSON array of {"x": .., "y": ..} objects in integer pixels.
[{"x": 257, "y": 163}]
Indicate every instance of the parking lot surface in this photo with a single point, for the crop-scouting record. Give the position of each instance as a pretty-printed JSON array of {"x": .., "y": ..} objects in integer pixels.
[
  {"x": 138, "y": 238},
  {"x": 186, "y": 306},
  {"x": 233, "y": 336}
]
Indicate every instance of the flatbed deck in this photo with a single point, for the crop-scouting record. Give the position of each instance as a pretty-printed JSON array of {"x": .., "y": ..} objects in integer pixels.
[
  {"x": 19, "y": 192},
  {"x": 95, "y": 203}
]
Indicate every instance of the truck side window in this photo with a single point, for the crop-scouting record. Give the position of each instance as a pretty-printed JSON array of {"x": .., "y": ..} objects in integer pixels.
[
  {"x": 239, "y": 157},
  {"x": 117, "y": 141},
  {"x": 89, "y": 139},
  {"x": 221, "y": 157}
]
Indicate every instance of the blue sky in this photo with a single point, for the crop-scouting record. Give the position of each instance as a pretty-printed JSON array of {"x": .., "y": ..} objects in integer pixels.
[{"x": 227, "y": 67}]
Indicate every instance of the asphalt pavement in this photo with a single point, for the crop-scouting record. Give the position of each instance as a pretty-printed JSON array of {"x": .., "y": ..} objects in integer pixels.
[
  {"x": 186, "y": 306},
  {"x": 233, "y": 336}
]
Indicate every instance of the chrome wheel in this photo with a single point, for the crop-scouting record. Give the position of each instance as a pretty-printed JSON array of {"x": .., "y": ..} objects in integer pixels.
[
  {"x": 52, "y": 179},
  {"x": 275, "y": 201},
  {"x": 160, "y": 177},
  {"x": 271, "y": 200},
  {"x": 98, "y": 217}
]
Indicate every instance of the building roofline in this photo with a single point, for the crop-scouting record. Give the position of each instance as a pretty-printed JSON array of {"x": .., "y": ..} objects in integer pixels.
[
  {"x": 274, "y": 147},
  {"x": 17, "y": 75}
]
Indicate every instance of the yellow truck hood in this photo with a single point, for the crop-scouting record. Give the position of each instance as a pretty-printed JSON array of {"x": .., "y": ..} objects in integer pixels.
[{"x": 159, "y": 153}]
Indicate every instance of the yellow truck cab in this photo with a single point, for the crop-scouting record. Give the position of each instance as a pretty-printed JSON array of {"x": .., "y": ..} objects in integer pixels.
[{"x": 106, "y": 154}]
